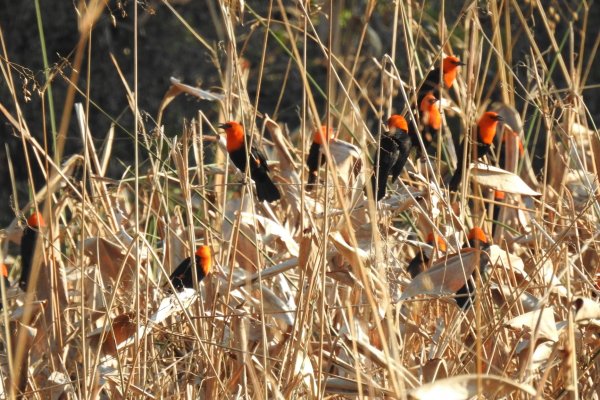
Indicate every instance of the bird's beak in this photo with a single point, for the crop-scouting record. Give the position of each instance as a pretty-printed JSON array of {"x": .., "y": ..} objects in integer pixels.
[{"x": 462, "y": 64}]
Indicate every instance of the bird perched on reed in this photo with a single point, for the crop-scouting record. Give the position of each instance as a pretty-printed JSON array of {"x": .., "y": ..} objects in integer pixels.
[
  {"x": 394, "y": 148},
  {"x": 420, "y": 262},
  {"x": 35, "y": 222},
  {"x": 450, "y": 65},
  {"x": 315, "y": 157},
  {"x": 486, "y": 131},
  {"x": 254, "y": 159},
  {"x": 183, "y": 276},
  {"x": 465, "y": 296}
]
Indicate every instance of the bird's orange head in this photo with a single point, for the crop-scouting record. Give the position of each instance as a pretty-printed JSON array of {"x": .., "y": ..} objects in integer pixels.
[
  {"x": 487, "y": 126},
  {"x": 320, "y": 136},
  {"x": 35, "y": 220},
  {"x": 203, "y": 253},
  {"x": 430, "y": 111},
  {"x": 434, "y": 238},
  {"x": 4, "y": 270},
  {"x": 476, "y": 233},
  {"x": 450, "y": 66},
  {"x": 499, "y": 195},
  {"x": 235, "y": 135},
  {"x": 398, "y": 122}
]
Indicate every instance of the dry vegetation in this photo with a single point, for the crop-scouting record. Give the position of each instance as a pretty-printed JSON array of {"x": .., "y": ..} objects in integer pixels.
[{"x": 309, "y": 297}]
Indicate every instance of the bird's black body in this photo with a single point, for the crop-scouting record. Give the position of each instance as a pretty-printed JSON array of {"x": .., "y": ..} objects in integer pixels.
[
  {"x": 4, "y": 271},
  {"x": 418, "y": 264},
  {"x": 28, "y": 242},
  {"x": 404, "y": 143},
  {"x": 385, "y": 159},
  {"x": 431, "y": 84},
  {"x": 314, "y": 160},
  {"x": 483, "y": 149},
  {"x": 183, "y": 276},
  {"x": 465, "y": 296},
  {"x": 428, "y": 140},
  {"x": 259, "y": 172}
]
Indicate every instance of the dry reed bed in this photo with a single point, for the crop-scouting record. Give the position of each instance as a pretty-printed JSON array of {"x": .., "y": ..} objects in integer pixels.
[{"x": 309, "y": 297}]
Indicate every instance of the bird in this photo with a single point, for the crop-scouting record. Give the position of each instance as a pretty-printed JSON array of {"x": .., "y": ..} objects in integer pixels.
[
  {"x": 499, "y": 199},
  {"x": 430, "y": 123},
  {"x": 315, "y": 157},
  {"x": 450, "y": 66},
  {"x": 486, "y": 131},
  {"x": 259, "y": 170},
  {"x": 399, "y": 124},
  {"x": 394, "y": 148},
  {"x": 28, "y": 242},
  {"x": 420, "y": 262},
  {"x": 465, "y": 296},
  {"x": 4, "y": 272},
  {"x": 183, "y": 276}
]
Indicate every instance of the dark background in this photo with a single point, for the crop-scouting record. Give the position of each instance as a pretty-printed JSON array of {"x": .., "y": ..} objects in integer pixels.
[{"x": 167, "y": 49}]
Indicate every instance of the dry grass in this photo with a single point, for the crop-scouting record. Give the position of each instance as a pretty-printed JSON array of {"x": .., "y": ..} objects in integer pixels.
[{"x": 306, "y": 298}]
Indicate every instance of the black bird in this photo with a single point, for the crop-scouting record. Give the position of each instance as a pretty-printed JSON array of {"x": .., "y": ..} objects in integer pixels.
[
  {"x": 450, "y": 66},
  {"x": 259, "y": 170},
  {"x": 486, "y": 131},
  {"x": 465, "y": 296},
  {"x": 183, "y": 276},
  {"x": 420, "y": 262},
  {"x": 30, "y": 236},
  {"x": 315, "y": 157},
  {"x": 394, "y": 149}
]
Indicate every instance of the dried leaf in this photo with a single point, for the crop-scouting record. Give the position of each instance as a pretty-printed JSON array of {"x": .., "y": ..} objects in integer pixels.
[
  {"x": 123, "y": 327},
  {"x": 353, "y": 255},
  {"x": 349, "y": 387},
  {"x": 434, "y": 369},
  {"x": 168, "y": 306},
  {"x": 501, "y": 180},
  {"x": 466, "y": 386},
  {"x": 586, "y": 310},
  {"x": 28, "y": 334},
  {"x": 503, "y": 295},
  {"x": 347, "y": 159},
  {"x": 542, "y": 321},
  {"x": 550, "y": 279},
  {"x": 272, "y": 228},
  {"x": 201, "y": 94},
  {"x": 303, "y": 369},
  {"x": 446, "y": 276},
  {"x": 287, "y": 167},
  {"x": 111, "y": 258},
  {"x": 507, "y": 261},
  {"x": 272, "y": 304}
]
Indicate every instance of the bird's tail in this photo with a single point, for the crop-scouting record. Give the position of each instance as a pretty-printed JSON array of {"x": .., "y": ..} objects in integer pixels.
[
  {"x": 379, "y": 188},
  {"x": 455, "y": 180},
  {"x": 266, "y": 189},
  {"x": 312, "y": 180},
  {"x": 457, "y": 177}
]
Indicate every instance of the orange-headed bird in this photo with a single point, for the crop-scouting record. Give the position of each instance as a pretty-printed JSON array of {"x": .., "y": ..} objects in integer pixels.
[
  {"x": 465, "y": 296},
  {"x": 259, "y": 170},
  {"x": 394, "y": 148},
  {"x": 183, "y": 276},
  {"x": 430, "y": 123},
  {"x": 315, "y": 157},
  {"x": 450, "y": 66},
  {"x": 420, "y": 262},
  {"x": 486, "y": 131},
  {"x": 30, "y": 236}
]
